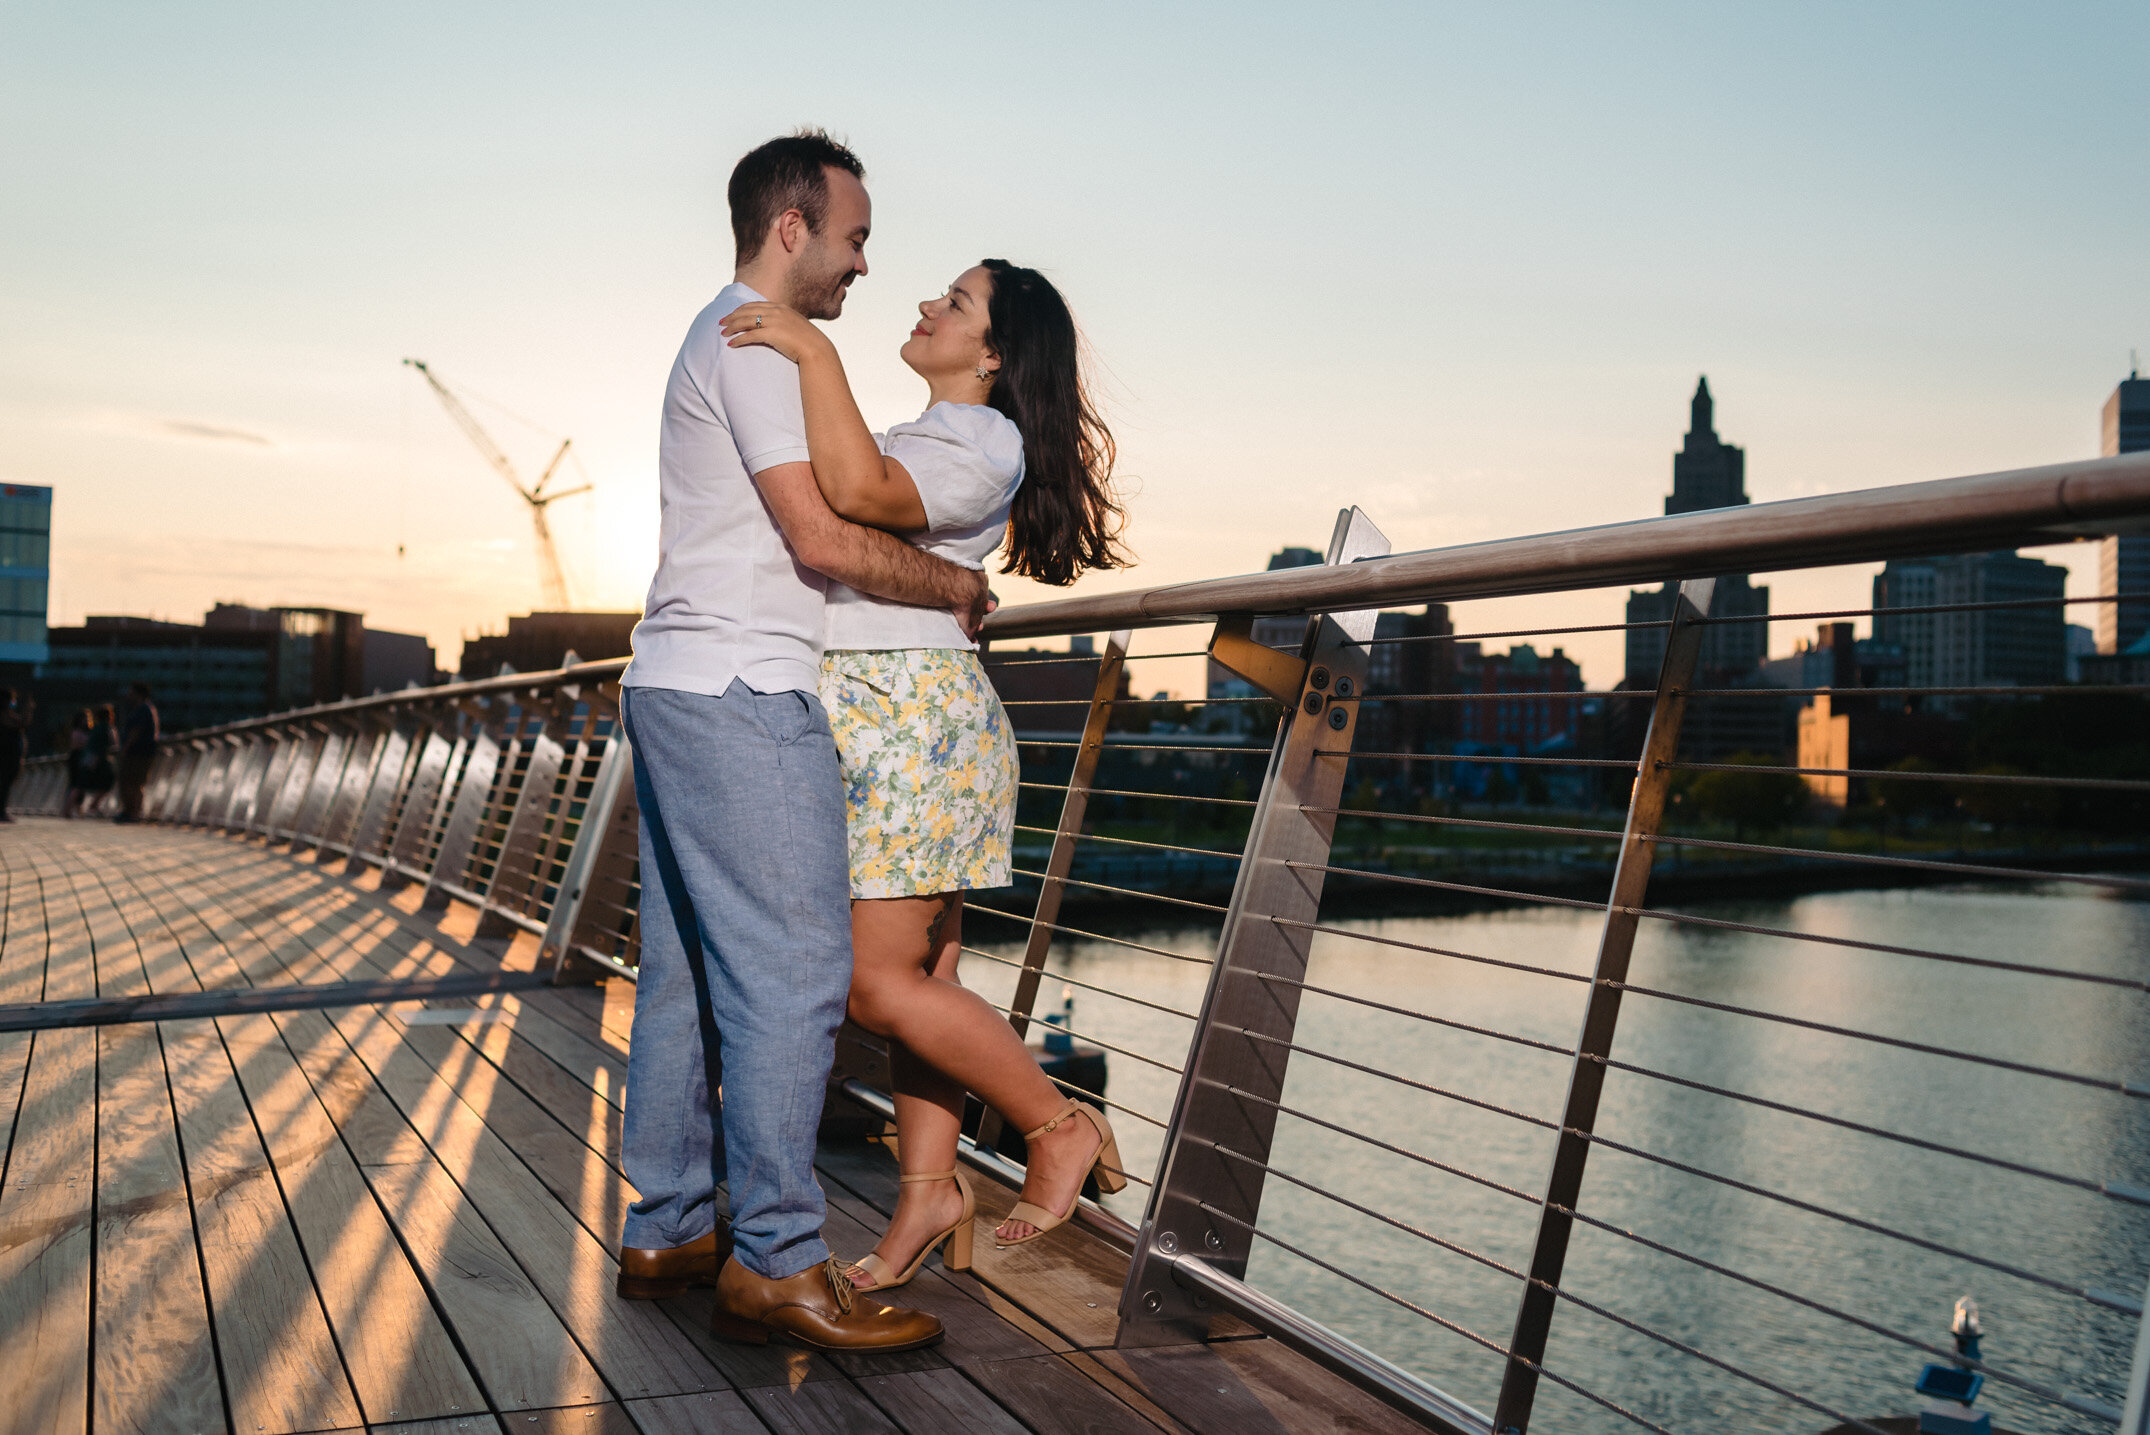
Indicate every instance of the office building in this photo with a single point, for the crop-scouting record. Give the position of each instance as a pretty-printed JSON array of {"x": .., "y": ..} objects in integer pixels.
[
  {"x": 540, "y": 642},
  {"x": 25, "y": 576},
  {"x": 1989, "y": 647},
  {"x": 2124, "y": 561},
  {"x": 1504, "y": 717},
  {"x": 395, "y": 661},
  {"x": 238, "y": 662},
  {"x": 1706, "y": 473}
]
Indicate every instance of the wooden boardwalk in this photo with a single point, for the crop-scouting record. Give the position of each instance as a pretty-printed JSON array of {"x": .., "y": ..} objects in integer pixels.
[{"x": 403, "y": 1217}]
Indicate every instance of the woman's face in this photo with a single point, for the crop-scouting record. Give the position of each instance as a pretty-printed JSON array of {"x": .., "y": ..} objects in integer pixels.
[{"x": 950, "y": 338}]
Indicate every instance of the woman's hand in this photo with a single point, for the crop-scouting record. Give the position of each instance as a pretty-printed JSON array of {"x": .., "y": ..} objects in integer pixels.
[{"x": 783, "y": 329}]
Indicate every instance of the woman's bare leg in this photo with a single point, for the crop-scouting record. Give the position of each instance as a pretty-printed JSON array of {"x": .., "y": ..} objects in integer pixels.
[{"x": 903, "y": 987}]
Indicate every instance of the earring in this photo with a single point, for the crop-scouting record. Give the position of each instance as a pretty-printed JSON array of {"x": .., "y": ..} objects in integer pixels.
[{"x": 985, "y": 374}]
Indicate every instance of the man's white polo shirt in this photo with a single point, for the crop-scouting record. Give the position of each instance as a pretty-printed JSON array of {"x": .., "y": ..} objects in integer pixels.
[{"x": 729, "y": 599}]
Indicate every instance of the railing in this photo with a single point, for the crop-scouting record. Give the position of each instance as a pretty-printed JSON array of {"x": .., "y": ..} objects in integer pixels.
[{"x": 1368, "y": 1132}]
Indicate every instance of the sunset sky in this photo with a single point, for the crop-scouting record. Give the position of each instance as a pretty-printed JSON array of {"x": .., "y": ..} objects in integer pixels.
[{"x": 1458, "y": 264}]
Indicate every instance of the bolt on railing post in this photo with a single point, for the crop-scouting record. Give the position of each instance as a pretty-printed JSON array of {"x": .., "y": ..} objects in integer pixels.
[
  {"x": 612, "y": 784},
  {"x": 1239, "y": 1041},
  {"x": 1601, "y": 1012}
]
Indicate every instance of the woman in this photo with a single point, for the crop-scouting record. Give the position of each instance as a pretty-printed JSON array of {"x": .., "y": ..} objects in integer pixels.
[
  {"x": 78, "y": 763},
  {"x": 1009, "y": 446}
]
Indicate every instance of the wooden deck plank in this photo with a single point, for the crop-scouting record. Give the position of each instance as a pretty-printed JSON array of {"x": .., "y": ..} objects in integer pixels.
[
  {"x": 928, "y": 1402},
  {"x": 1234, "y": 1386},
  {"x": 479, "y": 1424},
  {"x": 637, "y": 1348},
  {"x": 525, "y": 1358},
  {"x": 1053, "y": 1396},
  {"x": 721, "y": 1412},
  {"x": 640, "y": 1352},
  {"x": 402, "y": 1363},
  {"x": 47, "y": 1205},
  {"x": 606, "y": 1419},
  {"x": 822, "y": 1407},
  {"x": 45, "y": 1214},
  {"x": 22, "y": 979},
  {"x": 280, "y": 1366},
  {"x": 155, "y": 1368}
]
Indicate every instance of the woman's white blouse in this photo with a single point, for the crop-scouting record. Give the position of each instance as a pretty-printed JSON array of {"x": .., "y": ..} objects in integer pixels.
[{"x": 967, "y": 461}]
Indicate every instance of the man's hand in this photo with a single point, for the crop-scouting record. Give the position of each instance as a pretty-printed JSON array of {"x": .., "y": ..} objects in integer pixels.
[{"x": 971, "y": 615}]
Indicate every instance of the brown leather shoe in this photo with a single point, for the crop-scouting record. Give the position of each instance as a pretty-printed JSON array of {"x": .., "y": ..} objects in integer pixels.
[
  {"x": 657, "y": 1273},
  {"x": 817, "y": 1308}
]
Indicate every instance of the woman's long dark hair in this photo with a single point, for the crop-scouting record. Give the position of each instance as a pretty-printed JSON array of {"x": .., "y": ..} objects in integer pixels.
[{"x": 1066, "y": 518}]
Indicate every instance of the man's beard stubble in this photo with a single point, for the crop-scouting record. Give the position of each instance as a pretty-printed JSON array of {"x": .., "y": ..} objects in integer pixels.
[{"x": 819, "y": 294}]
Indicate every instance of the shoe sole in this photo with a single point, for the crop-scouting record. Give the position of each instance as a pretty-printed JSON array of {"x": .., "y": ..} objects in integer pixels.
[
  {"x": 657, "y": 1287},
  {"x": 753, "y": 1332}
]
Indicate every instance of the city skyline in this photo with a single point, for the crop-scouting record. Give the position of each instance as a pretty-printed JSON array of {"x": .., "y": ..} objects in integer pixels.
[{"x": 1526, "y": 235}]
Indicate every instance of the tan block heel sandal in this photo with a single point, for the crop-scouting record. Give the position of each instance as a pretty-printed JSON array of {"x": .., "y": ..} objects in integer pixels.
[
  {"x": 1111, "y": 1176},
  {"x": 958, "y": 1237}
]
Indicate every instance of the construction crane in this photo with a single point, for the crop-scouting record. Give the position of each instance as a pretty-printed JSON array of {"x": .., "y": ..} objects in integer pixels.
[{"x": 550, "y": 575}]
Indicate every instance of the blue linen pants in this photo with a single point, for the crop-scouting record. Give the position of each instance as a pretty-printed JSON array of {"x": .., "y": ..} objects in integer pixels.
[{"x": 746, "y": 964}]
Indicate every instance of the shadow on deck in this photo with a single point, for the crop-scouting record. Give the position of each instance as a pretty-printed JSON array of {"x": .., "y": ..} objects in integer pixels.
[{"x": 401, "y": 1216}]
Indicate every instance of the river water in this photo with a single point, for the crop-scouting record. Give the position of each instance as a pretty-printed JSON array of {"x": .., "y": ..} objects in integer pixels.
[{"x": 2078, "y": 1237}]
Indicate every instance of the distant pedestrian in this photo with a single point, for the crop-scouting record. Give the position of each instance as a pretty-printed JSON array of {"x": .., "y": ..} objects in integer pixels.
[
  {"x": 78, "y": 762},
  {"x": 137, "y": 752},
  {"x": 14, "y": 742},
  {"x": 97, "y": 769}
]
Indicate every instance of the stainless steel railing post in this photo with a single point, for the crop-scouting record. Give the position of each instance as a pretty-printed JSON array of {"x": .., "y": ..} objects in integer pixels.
[
  {"x": 473, "y": 795},
  {"x": 1241, "y": 1042},
  {"x": 613, "y": 783},
  {"x": 1601, "y": 1013},
  {"x": 519, "y": 870},
  {"x": 2135, "y": 1420}
]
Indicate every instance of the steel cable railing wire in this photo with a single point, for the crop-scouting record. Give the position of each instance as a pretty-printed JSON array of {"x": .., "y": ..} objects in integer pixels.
[
  {"x": 1594, "y": 834},
  {"x": 993, "y": 662},
  {"x": 1875, "y": 859},
  {"x": 1509, "y": 894},
  {"x": 1240, "y": 1093},
  {"x": 1793, "y": 1201},
  {"x": 1986, "y": 607},
  {"x": 1151, "y": 796},
  {"x": 1623, "y": 1233},
  {"x": 2100, "y": 1083},
  {"x": 1091, "y": 936},
  {"x": 1121, "y": 891},
  {"x": 1233, "y": 749},
  {"x": 1440, "y": 1320},
  {"x": 1491, "y": 759},
  {"x": 1510, "y": 633},
  {"x": 1132, "y": 842},
  {"x": 1501, "y": 962},
  {"x": 2123, "y": 1193},
  {"x": 1095, "y": 1040},
  {"x": 2085, "y": 1293},
  {"x": 1889, "y": 774},
  {"x": 1820, "y": 1307},
  {"x": 1426, "y": 1017},
  {"x": 1088, "y": 987},
  {"x": 1692, "y": 919}
]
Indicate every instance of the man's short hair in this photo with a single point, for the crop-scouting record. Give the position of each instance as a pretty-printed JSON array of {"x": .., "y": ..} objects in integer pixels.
[
  {"x": 786, "y": 173},
  {"x": 139, "y": 690}
]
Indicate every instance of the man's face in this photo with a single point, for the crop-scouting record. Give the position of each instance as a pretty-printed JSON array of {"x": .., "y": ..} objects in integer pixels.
[{"x": 832, "y": 258}]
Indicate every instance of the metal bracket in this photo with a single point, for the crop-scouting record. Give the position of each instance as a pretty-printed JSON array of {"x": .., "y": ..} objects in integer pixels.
[{"x": 1278, "y": 673}]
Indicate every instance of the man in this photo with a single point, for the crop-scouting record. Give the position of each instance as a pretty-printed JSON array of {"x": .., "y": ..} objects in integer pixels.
[
  {"x": 137, "y": 753},
  {"x": 746, "y": 936}
]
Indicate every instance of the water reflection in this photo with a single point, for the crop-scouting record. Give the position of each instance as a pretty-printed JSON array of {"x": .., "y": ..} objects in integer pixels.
[{"x": 2077, "y": 1237}]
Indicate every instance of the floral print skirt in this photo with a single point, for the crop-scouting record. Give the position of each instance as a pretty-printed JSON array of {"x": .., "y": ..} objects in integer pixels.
[{"x": 929, "y": 769}]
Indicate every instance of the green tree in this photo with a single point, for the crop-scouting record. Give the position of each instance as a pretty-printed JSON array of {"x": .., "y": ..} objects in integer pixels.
[{"x": 1760, "y": 800}]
